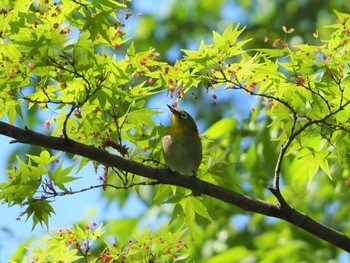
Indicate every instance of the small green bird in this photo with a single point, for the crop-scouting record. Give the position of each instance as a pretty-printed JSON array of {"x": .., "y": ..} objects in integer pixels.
[{"x": 182, "y": 147}]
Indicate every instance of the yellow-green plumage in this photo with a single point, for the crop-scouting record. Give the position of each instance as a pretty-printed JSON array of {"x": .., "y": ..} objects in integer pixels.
[{"x": 182, "y": 147}]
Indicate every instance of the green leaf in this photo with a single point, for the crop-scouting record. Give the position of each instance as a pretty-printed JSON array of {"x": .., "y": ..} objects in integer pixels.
[
  {"x": 239, "y": 253},
  {"x": 142, "y": 116},
  {"x": 41, "y": 210},
  {"x": 188, "y": 211},
  {"x": 199, "y": 208},
  {"x": 178, "y": 213},
  {"x": 23, "y": 167},
  {"x": 221, "y": 128},
  {"x": 44, "y": 157},
  {"x": 124, "y": 228},
  {"x": 61, "y": 176},
  {"x": 192, "y": 206},
  {"x": 21, "y": 250}
]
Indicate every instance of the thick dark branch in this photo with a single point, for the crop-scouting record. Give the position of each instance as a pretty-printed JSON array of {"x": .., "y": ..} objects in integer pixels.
[{"x": 164, "y": 176}]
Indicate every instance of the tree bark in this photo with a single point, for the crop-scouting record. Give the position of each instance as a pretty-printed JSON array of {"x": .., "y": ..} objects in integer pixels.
[{"x": 165, "y": 176}]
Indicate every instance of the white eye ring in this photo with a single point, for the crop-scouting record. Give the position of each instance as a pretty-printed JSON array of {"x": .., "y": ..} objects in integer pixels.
[{"x": 183, "y": 115}]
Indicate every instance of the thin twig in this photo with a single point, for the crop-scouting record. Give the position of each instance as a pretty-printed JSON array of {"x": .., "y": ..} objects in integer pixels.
[{"x": 52, "y": 194}]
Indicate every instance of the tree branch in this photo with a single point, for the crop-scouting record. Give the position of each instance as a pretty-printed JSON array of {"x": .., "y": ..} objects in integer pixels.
[
  {"x": 164, "y": 176},
  {"x": 50, "y": 192}
]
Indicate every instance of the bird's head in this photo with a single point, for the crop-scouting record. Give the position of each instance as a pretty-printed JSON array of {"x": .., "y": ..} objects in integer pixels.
[{"x": 181, "y": 120}]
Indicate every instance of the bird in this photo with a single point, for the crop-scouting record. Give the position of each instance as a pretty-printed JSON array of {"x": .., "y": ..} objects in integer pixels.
[{"x": 181, "y": 144}]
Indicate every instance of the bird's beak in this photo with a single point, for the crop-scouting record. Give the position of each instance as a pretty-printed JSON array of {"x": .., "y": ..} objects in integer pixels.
[{"x": 172, "y": 109}]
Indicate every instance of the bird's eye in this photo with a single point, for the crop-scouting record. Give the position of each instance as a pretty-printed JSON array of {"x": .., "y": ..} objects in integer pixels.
[{"x": 183, "y": 115}]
